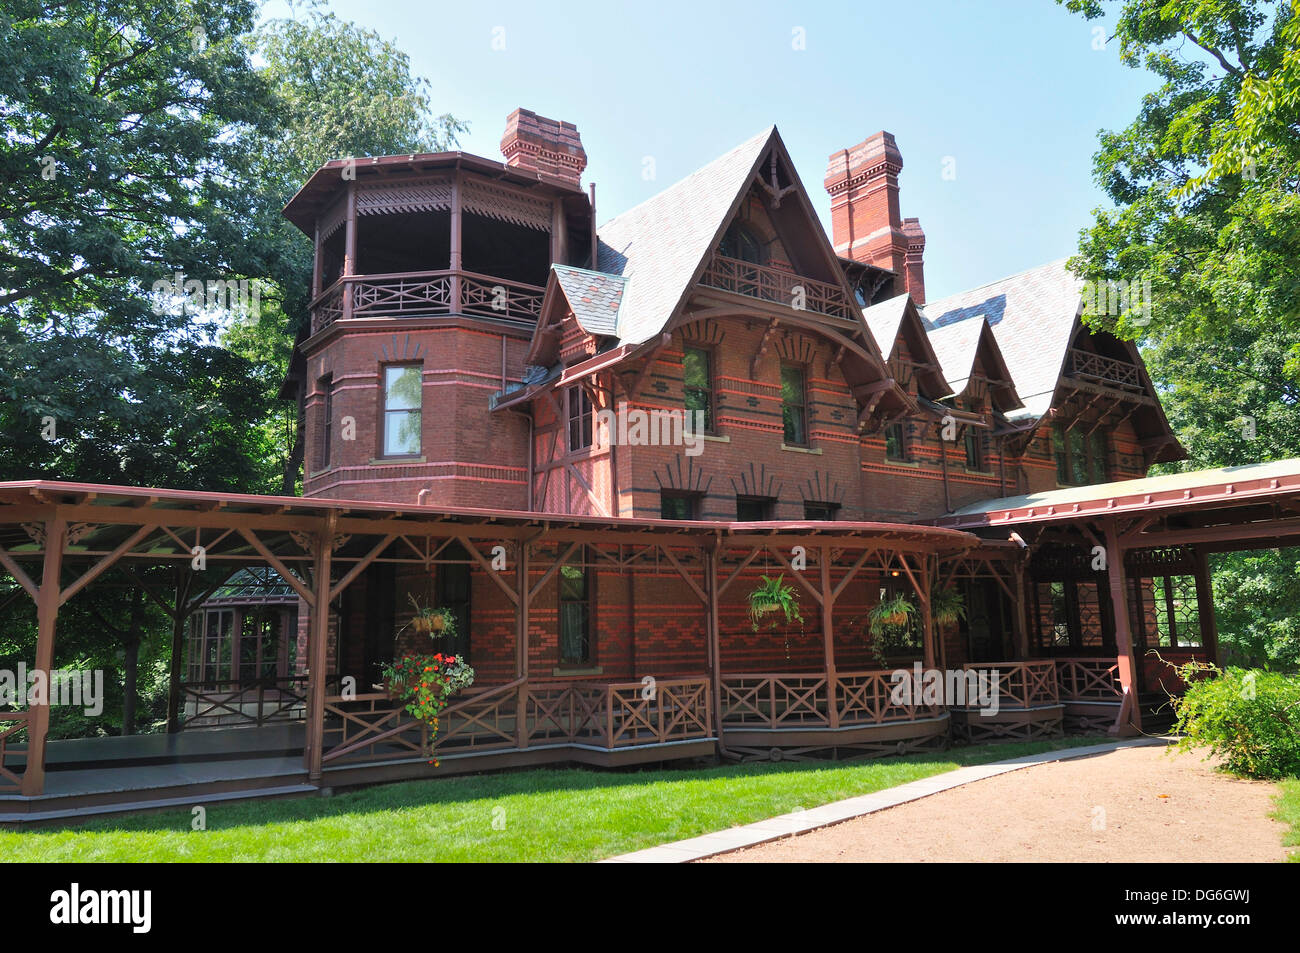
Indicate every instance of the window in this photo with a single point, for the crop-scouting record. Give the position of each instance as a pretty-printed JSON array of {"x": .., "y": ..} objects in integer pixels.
[
  {"x": 580, "y": 415},
  {"x": 575, "y": 613},
  {"x": 1166, "y": 611},
  {"x": 896, "y": 447},
  {"x": 739, "y": 242},
  {"x": 754, "y": 509},
  {"x": 402, "y": 396},
  {"x": 675, "y": 505},
  {"x": 813, "y": 510},
  {"x": 326, "y": 386},
  {"x": 975, "y": 456},
  {"x": 697, "y": 384},
  {"x": 1080, "y": 458},
  {"x": 794, "y": 410}
]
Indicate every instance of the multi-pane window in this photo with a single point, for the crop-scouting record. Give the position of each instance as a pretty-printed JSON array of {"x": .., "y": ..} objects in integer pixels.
[
  {"x": 754, "y": 509},
  {"x": 402, "y": 398},
  {"x": 819, "y": 511},
  {"x": 575, "y": 613},
  {"x": 698, "y": 384},
  {"x": 326, "y": 388},
  {"x": 794, "y": 405},
  {"x": 976, "y": 458},
  {"x": 1166, "y": 610},
  {"x": 896, "y": 442},
  {"x": 580, "y": 417},
  {"x": 679, "y": 506},
  {"x": 1080, "y": 457}
]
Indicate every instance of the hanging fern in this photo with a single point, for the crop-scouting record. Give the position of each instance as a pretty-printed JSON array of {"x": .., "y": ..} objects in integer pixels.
[
  {"x": 770, "y": 597},
  {"x": 948, "y": 606}
]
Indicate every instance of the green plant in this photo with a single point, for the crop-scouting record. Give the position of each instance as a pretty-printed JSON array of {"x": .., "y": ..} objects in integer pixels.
[
  {"x": 427, "y": 620},
  {"x": 771, "y": 596},
  {"x": 947, "y": 606},
  {"x": 424, "y": 683},
  {"x": 890, "y": 621},
  {"x": 1248, "y": 717}
]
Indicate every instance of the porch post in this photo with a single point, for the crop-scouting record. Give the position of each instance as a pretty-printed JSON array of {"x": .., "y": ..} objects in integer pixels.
[
  {"x": 828, "y": 637},
  {"x": 47, "y": 611},
  {"x": 316, "y": 648},
  {"x": 1129, "y": 721},
  {"x": 711, "y": 634},
  {"x": 927, "y": 618},
  {"x": 456, "y": 258},
  {"x": 521, "y": 644},
  {"x": 179, "y": 621},
  {"x": 1021, "y": 614},
  {"x": 1205, "y": 606},
  {"x": 350, "y": 248}
]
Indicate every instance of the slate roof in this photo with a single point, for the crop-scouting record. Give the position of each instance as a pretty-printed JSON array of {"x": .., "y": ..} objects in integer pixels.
[
  {"x": 595, "y": 298},
  {"x": 885, "y": 319},
  {"x": 1031, "y": 315},
  {"x": 956, "y": 345},
  {"x": 658, "y": 245}
]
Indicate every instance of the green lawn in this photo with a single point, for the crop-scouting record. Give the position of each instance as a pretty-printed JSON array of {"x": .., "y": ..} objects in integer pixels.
[
  {"x": 1288, "y": 812},
  {"x": 545, "y": 815}
]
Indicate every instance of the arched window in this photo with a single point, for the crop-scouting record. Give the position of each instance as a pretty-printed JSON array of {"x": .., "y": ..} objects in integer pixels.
[{"x": 740, "y": 242}]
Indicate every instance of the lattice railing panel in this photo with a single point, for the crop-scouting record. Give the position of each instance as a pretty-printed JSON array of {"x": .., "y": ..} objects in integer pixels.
[{"x": 772, "y": 284}]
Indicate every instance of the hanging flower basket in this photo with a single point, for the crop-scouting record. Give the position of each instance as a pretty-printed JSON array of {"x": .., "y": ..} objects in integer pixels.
[
  {"x": 771, "y": 595},
  {"x": 432, "y": 621}
]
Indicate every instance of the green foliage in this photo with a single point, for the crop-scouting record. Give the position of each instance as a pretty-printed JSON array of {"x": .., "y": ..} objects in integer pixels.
[
  {"x": 429, "y": 620},
  {"x": 947, "y": 606},
  {"x": 1205, "y": 186},
  {"x": 771, "y": 597},
  {"x": 424, "y": 683},
  {"x": 893, "y": 631},
  {"x": 1249, "y": 717}
]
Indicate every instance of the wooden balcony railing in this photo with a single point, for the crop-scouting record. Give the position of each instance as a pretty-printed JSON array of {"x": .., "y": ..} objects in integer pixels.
[
  {"x": 1104, "y": 369},
  {"x": 771, "y": 284},
  {"x": 13, "y": 724},
  {"x": 805, "y": 701},
  {"x": 1088, "y": 679},
  {"x": 230, "y": 702},
  {"x": 424, "y": 293},
  {"x": 374, "y": 727}
]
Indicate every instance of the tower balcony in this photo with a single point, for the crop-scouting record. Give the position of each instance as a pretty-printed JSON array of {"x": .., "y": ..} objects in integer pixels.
[
  {"x": 776, "y": 285},
  {"x": 424, "y": 293}
]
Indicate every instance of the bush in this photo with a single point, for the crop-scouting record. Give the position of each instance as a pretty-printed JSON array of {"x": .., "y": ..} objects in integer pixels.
[{"x": 1249, "y": 717}]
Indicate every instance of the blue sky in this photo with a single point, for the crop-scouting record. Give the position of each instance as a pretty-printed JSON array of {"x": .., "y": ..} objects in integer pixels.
[{"x": 1012, "y": 90}]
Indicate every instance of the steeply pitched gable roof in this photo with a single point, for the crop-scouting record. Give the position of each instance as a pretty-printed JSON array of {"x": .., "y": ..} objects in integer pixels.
[
  {"x": 885, "y": 321},
  {"x": 660, "y": 244},
  {"x": 1031, "y": 315}
]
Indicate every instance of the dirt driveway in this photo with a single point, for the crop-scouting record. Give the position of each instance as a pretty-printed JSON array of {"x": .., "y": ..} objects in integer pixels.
[{"x": 1133, "y": 804}]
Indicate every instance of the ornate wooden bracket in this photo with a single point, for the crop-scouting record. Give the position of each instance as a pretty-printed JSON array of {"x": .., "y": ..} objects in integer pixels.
[
  {"x": 37, "y": 532},
  {"x": 773, "y": 189},
  {"x": 763, "y": 345}
]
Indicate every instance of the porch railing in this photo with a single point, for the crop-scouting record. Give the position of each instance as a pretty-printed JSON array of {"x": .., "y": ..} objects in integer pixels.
[
  {"x": 12, "y": 725},
  {"x": 805, "y": 701},
  {"x": 243, "y": 702},
  {"x": 1024, "y": 684},
  {"x": 424, "y": 293},
  {"x": 520, "y": 714},
  {"x": 1088, "y": 679},
  {"x": 772, "y": 284}
]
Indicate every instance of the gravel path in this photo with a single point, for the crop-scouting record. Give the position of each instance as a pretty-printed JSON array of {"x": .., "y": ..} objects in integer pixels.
[{"x": 1134, "y": 804}]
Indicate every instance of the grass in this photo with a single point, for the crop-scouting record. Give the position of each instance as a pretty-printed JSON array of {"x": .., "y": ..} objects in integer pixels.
[
  {"x": 1288, "y": 812},
  {"x": 543, "y": 815}
]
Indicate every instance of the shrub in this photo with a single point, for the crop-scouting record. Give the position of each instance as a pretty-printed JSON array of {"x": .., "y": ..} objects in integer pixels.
[{"x": 1249, "y": 717}]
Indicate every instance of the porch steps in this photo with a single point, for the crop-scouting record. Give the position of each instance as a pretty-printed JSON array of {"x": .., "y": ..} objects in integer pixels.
[{"x": 155, "y": 804}]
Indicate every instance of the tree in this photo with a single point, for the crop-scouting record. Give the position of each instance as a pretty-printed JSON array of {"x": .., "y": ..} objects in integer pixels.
[{"x": 1204, "y": 187}]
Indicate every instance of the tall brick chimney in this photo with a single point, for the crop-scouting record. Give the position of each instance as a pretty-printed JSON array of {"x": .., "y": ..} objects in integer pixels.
[
  {"x": 544, "y": 145},
  {"x": 866, "y": 223}
]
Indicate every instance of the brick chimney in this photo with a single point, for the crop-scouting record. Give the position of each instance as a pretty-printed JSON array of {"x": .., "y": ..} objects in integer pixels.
[
  {"x": 866, "y": 223},
  {"x": 544, "y": 145}
]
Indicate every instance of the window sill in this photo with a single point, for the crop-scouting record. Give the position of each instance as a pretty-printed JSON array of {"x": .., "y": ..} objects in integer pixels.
[
  {"x": 578, "y": 670},
  {"x": 815, "y": 451},
  {"x": 394, "y": 461},
  {"x": 913, "y": 464},
  {"x": 969, "y": 471},
  {"x": 319, "y": 473},
  {"x": 716, "y": 438}
]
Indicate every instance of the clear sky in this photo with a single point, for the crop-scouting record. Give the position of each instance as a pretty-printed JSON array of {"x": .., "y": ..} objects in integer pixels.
[{"x": 1012, "y": 90}]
